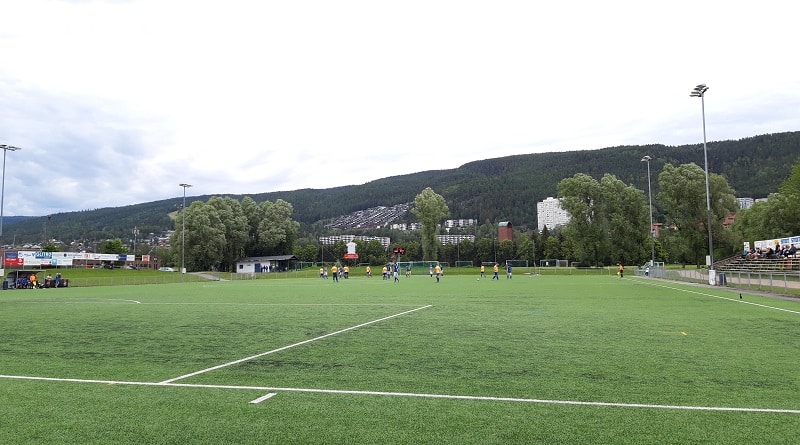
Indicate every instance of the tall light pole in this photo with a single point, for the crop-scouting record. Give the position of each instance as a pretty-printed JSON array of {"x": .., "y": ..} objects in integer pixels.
[
  {"x": 6, "y": 149},
  {"x": 650, "y": 198},
  {"x": 700, "y": 91},
  {"x": 183, "y": 231}
]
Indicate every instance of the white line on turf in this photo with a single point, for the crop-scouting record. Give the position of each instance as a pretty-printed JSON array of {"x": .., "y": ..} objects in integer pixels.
[
  {"x": 736, "y": 300},
  {"x": 264, "y": 397},
  {"x": 421, "y": 395},
  {"x": 242, "y": 360}
]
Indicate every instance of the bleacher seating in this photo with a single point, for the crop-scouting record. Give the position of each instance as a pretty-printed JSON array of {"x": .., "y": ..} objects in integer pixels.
[{"x": 737, "y": 263}]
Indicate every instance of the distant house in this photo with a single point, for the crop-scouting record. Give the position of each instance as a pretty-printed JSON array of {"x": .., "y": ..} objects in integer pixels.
[
  {"x": 260, "y": 264},
  {"x": 505, "y": 231}
]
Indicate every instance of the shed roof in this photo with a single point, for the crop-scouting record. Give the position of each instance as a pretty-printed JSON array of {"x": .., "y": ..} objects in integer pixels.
[{"x": 255, "y": 259}]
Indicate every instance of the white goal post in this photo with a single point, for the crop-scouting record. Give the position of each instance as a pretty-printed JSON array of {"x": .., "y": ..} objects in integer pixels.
[
  {"x": 417, "y": 266},
  {"x": 553, "y": 263}
]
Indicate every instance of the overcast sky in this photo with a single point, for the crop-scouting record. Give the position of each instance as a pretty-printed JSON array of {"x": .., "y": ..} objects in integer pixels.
[{"x": 117, "y": 102}]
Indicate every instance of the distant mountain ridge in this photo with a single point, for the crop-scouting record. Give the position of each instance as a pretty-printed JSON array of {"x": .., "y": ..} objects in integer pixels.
[{"x": 498, "y": 189}]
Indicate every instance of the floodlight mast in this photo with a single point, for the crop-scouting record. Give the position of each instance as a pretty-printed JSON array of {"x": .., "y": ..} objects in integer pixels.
[
  {"x": 6, "y": 149},
  {"x": 650, "y": 199},
  {"x": 183, "y": 231},
  {"x": 700, "y": 91}
]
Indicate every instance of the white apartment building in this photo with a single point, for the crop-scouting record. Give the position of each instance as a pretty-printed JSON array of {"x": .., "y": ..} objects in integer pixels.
[
  {"x": 451, "y": 223},
  {"x": 329, "y": 240},
  {"x": 745, "y": 203},
  {"x": 550, "y": 214},
  {"x": 454, "y": 239}
]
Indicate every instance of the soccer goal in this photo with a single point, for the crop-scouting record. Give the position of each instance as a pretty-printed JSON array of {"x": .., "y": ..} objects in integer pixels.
[
  {"x": 464, "y": 264},
  {"x": 417, "y": 267},
  {"x": 553, "y": 263},
  {"x": 517, "y": 263}
]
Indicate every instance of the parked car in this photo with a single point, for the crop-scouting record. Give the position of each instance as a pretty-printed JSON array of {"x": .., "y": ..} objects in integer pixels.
[{"x": 166, "y": 269}]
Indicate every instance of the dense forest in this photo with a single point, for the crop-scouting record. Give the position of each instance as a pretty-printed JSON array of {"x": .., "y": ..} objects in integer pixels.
[{"x": 491, "y": 190}]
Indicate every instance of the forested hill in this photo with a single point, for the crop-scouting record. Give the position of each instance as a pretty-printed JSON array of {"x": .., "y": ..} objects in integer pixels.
[{"x": 500, "y": 189}]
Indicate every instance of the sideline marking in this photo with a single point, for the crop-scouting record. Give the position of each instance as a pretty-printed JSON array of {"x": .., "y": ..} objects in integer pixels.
[
  {"x": 421, "y": 395},
  {"x": 242, "y": 360},
  {"x": 264, "y": 397},
  {"x": 721, "y": 297},
  {"x": 95, "y": 301}
]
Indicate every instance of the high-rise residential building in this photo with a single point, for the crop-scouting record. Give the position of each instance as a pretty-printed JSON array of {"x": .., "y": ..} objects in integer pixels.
[{"x": 550, "y": 214}]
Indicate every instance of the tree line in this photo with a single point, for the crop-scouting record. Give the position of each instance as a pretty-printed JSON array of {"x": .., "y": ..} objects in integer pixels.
[
  {"x": 490, "y": 190},
  {"x": 609, "y": 224}
]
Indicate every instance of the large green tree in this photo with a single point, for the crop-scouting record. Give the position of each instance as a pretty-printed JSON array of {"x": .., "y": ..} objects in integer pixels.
[
  {"x": 683, "y": 197},
  {"x": 430, "y": 208},
  {"x": 276, "y": 230},
  {"x": 580, "y": 196},
  {"x": 235, "y": 226},
  {"x": 371, "y": 252},
  {"x": 627, "y": 212},
  {"x": 220, "y": 231},
  {"x": 204, "y": 234},
  {"x": 608, "y": 221},
  {"x": 776, "y": 217}
]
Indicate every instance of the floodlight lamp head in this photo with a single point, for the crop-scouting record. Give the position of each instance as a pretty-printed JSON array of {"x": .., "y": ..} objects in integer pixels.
[
  {"x": 699, "y": 90},
  {"x": 9, "y": 147},
  {"x": 646, "y": 159}
]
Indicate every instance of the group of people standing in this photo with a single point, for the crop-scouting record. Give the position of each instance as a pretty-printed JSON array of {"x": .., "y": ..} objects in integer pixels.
[
  {"x": 336, "y": 272},
  {"x": 496, "y": 270}
]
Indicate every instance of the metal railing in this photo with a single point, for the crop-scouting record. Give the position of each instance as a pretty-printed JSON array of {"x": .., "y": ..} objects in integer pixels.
[{"x": 785, "y": 281}]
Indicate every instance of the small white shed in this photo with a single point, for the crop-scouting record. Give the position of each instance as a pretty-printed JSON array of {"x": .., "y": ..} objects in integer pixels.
[{"x": 263, "y": 264}]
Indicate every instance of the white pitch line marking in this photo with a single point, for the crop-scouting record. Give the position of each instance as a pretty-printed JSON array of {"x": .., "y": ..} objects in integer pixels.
[
  {"x": 421, "y": 395},
  {"x": 242, "y": 360},
  {"x": 264, "y": 397},
  {"x": 736, "y": 300}
]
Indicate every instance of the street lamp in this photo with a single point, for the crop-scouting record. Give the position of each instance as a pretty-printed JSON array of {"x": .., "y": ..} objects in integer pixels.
[
  {"x": 700, "y": 91},
  {"x": 183, "y": 231},
  {"x": 6, "y": 149},
  {"x": 650, "y": 198}
]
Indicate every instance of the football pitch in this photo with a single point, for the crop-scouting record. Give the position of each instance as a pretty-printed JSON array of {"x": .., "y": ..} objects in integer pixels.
[{"x": 533, "y": 359}]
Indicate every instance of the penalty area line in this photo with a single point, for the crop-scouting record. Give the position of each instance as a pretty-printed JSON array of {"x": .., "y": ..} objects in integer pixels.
[
  {"x": 242, "y": 360},
  {"x": 416, "y": 395}
]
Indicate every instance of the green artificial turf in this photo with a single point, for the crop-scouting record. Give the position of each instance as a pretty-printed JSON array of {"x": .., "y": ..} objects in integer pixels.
[{"x": 534, "y": 359}]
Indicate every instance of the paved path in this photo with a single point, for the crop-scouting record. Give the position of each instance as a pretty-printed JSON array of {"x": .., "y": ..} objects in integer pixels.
[{"x": 209, "y": 276}]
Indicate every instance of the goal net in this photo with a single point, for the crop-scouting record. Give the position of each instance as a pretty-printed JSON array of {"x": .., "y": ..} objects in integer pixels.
[
  {"x": 517, "y": 263},
  {"x": 463, "y": 263},
  {"x": 553, "y": 263},
  {"x": 417, "y": 267}
]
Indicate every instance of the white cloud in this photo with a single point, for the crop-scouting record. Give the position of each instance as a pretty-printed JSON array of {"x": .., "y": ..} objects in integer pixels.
[{"x": 134, "y": 97}]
